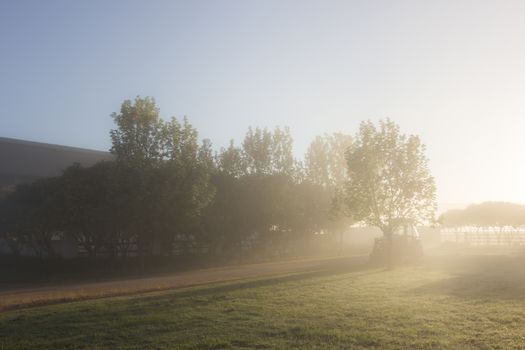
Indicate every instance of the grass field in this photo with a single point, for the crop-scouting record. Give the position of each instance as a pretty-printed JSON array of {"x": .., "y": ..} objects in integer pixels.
[{"x": 454, "y": 302}]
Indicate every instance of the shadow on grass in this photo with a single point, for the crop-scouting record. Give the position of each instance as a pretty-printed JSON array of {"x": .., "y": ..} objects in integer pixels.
[
  {"x": 330, "y": 267},
  {"x": 337, "y": 268},
  {"x": 479, "y": 277}
]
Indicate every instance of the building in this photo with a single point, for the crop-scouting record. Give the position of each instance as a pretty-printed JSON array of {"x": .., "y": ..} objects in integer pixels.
[{"x": 24, "y": 161}]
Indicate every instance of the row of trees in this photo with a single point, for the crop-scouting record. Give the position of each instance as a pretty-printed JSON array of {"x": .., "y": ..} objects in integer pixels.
[
  {"x": 167, "y": 192},
  {"x": 488, "y": 214}
]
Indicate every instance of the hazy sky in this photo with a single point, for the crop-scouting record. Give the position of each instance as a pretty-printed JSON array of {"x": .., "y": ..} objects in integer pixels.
[{"x": 451, "y": 71}]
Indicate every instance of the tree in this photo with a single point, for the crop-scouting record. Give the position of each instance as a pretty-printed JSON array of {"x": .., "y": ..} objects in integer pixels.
[
  {"x": 33, "y": 215},
  {"x": 223, "y": 221},
  {"x": 231, "y": 162},
  {"x": 257, "y": 151},
  {"x": 13, "y": 219},
  {"x": 325, "y": 160},
  {"x": 182, "y": 186},
  {"x": 139, "y": 144},
  {"x": 162, "y": 171},
  {"x": 389, "y": 182},
  {"x": 283, "y": 161},
  {"x": 138, "y": 139},
  {"x": 326, "y": 166},
  {"x": 90, "y": 213},
  {"x": 254, "y": 203}
]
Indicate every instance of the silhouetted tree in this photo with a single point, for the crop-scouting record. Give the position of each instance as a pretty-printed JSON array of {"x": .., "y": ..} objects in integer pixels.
[
  {"x": 165, "y": 170},
  {"x": 33, "y": 216},
  {"x": 90, "y": 207},
  {"x": 326, "y": 166},
  {"x": 257, "y": 151},
  {"x": 230, "y": 161},
  {"x": 168, "y": 190},
  {"x": 389, "y": 182}
]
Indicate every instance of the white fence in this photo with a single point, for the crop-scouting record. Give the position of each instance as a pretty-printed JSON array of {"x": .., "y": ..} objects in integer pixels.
[{"x": 484, "y": 236}]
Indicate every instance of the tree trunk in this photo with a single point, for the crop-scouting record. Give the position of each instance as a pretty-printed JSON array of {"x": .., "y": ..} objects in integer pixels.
[{"x": 389, "y": 250}]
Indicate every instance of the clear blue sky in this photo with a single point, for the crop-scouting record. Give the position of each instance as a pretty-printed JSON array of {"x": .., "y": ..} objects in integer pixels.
[{"x": 450, "y": 71}]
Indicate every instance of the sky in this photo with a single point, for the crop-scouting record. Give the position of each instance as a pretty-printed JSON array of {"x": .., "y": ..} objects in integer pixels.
[{"x": 452, "y": 72}]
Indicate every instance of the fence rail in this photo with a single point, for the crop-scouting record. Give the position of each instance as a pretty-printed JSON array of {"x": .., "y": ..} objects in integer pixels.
[{"x": 484, "y": 236}]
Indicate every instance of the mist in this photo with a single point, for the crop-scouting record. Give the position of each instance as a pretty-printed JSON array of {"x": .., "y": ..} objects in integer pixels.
[{"x": 265, "y": 174}]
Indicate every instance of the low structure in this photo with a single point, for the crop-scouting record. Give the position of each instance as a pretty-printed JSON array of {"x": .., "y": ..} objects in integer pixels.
[{"x": 25, "y": 161}]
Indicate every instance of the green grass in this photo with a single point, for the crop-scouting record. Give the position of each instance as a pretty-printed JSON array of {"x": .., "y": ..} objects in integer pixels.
[{"x": 473, "y": 302}]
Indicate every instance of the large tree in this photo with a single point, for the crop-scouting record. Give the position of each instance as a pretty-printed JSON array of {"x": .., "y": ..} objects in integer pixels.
[
  {"x": 163, "y": 173},
  {"x": 138, "y": 139},
  {"x": 389, "y": 182}
]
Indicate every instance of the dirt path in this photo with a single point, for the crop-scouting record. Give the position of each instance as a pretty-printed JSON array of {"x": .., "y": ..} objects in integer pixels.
[{"x": 26, "y": 297}]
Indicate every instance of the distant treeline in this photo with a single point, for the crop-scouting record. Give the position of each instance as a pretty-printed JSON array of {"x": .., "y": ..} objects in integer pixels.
[
  {"x": 486, "y": 214},
  {"x": 168, "y": 193}
]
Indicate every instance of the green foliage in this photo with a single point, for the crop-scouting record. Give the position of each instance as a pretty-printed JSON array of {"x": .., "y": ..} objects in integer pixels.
[
  {"x": 267, "y": 152},
  {"x": 138, "y": 140},
  {"x": 263, "y": 198},
  {"x": 33, "y": 214},
  {"x": 165, "y": 170},
  {"x": 231, "y": 161},
  {"x": 389, "y": 182},
  {"x": 168, "y": 191},
  {"x": 257, "y": 147},
  {"x": 326, "y": 166},
  {"x": 326, "y": 160},
  {"x": 90, "y": 209},
  {"x": 155, "y": 189}
]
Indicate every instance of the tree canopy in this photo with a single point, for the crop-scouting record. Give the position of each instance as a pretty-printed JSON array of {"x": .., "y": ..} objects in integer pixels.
[
  {"x": 169, "y": 192},
  {"x": 388, "y": 180}
]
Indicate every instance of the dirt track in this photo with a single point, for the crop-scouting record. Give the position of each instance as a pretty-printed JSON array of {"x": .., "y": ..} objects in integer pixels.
[{"x": 26, "y": 297}]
